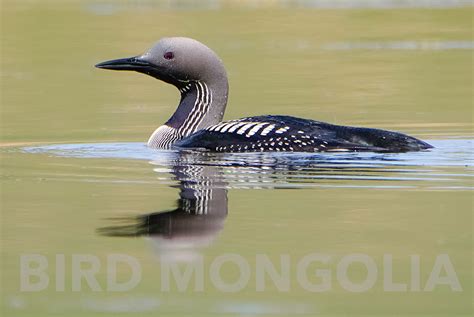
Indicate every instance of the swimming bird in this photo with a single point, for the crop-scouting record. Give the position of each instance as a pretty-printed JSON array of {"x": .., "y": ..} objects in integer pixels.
[{"x": 199, "y": 75}]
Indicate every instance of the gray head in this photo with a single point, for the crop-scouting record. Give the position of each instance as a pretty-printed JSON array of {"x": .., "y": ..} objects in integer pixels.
[
  {"x": 175, "y": 60},
  {"x": 196, "y": 71}
]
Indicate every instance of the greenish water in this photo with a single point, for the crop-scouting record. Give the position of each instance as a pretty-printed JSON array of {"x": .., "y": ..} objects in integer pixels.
[{"x": 77, "y": 178}]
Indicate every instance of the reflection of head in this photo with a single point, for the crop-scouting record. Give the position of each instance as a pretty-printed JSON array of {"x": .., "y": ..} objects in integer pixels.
[{"x": 177, "y": 235}]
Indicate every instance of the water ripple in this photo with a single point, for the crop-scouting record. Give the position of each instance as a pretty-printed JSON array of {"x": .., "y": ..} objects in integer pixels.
[{"x": 448, "y": 166}]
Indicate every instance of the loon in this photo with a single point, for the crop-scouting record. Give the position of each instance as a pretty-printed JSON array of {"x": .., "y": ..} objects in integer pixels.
[{"x": 199, "y": 75}]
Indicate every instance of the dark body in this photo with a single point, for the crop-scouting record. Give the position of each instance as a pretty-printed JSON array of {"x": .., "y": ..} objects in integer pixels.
[{"x": 291, "y": 134}]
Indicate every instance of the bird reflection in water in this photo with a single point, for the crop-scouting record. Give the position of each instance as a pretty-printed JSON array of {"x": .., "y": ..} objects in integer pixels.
[
  {"x": 203, "y": 179},
  {"x": 178, "y": 235}
]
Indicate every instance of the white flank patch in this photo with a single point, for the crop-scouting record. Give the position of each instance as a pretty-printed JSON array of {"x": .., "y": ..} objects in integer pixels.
[
  {"x": 237, "y": 125},
  {"x": 267, "y": 129},
  {"x": 246, "y": 127},
  {"x": 255, "y": 129},
  {"x": 227, "y": 126}
]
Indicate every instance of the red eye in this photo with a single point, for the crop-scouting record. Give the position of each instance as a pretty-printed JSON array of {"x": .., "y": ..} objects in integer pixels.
[{"x": 168, "y": 55}]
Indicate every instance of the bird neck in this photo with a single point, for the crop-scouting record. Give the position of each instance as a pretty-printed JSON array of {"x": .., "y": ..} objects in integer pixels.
[{"x": 202, "y": 104}]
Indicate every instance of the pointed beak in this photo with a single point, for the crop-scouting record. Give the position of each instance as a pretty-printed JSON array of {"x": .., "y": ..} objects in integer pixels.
[
  {"x": 130, "y": 63},
  {"x": 141, "y": 65}
]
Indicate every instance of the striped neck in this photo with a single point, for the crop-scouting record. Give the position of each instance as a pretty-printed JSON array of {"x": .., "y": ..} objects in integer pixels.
[
  {"x": 197, "y": 109},
  {"x": 196, "y": 99}
]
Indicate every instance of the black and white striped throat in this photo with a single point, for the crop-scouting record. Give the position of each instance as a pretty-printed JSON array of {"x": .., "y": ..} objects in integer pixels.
[
  {"x": 166, "y": 135},
  {"x": 200, "y": 108}
]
